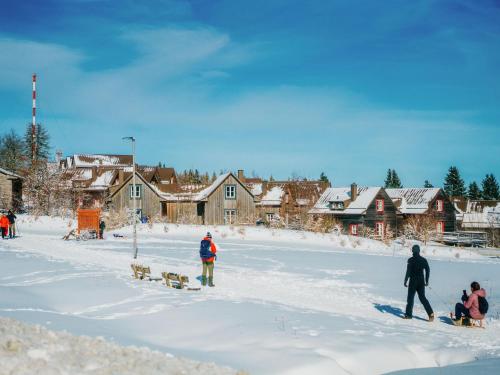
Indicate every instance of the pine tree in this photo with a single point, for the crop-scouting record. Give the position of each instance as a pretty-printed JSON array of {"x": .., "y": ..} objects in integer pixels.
[
  {"x": 11, "y": 152},
  {"x": 427, "y": 184},
  {"x": 323, "y": 178},
  {"x": 388, "y": 179},
  {"x": 474, "y": 192},
  {"x": 453, "y": 184},
  {"x": 392, "y": 180},
  {"x": 396, "y": 182},
  {"x": 490, "y": 188},
  {"x": 41, "y": 141}
]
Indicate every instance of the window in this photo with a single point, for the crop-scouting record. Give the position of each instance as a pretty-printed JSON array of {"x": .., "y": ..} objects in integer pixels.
[
  {"x": 336, "y": 205},
  {"x": 229, "y": 216},
  {"x": 379, "y": 204},
  {"x": 440, "y": 227},
  {"x": 353, "y": 229},
  {"x": 270, "y": 217},
  {"x": 379, "y": 229},
  {"x": 439, "y": 205},
  {"x": 137, "y": 191},
  {"x": 230, "y": 191}
]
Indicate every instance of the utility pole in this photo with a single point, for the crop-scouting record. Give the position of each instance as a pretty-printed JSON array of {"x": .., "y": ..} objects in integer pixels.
[{"x": 134, "y": 195}]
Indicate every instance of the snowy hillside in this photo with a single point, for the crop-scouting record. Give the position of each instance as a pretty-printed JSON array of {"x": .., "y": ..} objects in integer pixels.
[{"x": 284, "y": 302}]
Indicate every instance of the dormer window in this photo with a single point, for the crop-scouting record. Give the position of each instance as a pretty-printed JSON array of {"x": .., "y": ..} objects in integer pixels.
[
  {"x": 338, "y": 205},
  {"x": 439, "y": 205},
  {"x": 379, "y": 204}
]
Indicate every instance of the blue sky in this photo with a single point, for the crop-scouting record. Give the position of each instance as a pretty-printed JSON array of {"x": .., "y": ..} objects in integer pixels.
[{"x": 350, "y": 88}]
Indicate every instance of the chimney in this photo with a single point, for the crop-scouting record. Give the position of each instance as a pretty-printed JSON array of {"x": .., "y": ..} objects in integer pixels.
[
  {"x": 354, "y": 191},
  {"x": 58, "y": 157},
  {"x": 120, "y": 176},
  {"x": 241, "y": 176}
]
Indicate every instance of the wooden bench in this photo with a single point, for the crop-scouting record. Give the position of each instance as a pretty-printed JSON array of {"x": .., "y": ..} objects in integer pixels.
[{"x": 141, "y": 272}]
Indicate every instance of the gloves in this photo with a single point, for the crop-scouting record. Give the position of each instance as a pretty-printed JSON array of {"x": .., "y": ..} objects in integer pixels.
[
  {"x": 406, "y": 285},
  {"x": 427, "y": 283},
  {"x": 464, "y": 298}
]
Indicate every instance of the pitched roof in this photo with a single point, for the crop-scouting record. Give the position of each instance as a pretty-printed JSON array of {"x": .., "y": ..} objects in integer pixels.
[
  {"x": 482, "y": 214},
  {"x": 413, "y": 200},
  {"x": 9, "y": 173},
  {"x": 272, "y": 197},
  {"x": 98, "y": 160},
  {"x": 365, "y": 197}
]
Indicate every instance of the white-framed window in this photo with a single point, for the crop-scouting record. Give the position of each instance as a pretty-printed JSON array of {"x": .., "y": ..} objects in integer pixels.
[
  {"x": 230, "y": 191},
  {"x": 336, "y": 205},
  {"x": 379, "y": 229},
  {"x": 229, "y": 216},
  {"x": 353, "y": 229},
  {"x": 440, "y": 227},
  {"x": 270, "y": 216},
  {"x": 138, "y": 190},
  {"x": 439, "y": 205},
  {"x": 379, "y": 204}
]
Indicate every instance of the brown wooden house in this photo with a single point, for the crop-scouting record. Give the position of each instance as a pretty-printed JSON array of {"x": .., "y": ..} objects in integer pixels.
[
  {"x": 11, "y": 190},
  {"x": 358, "y": 209},
  {"x": 425, "y": 204},
  {"x": 226, "y": 201}
]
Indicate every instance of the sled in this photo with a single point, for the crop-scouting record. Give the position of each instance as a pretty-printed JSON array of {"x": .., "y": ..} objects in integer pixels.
[
  {"x": 177, "y": 281},
  {"x": 468, "y": 322},
  {"x": 141, "y": 272}
]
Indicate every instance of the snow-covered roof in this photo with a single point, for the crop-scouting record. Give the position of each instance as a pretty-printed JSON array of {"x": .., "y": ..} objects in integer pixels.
[
  {"x": 413, "y": 200},
  {"x": 255, "y": 188},
  {"x": 87, "y": 160},
  {"x": 205, "y": 193},
  {"x": 102, "y": 180},
  {"x": 9, "y": 173},
  {"x": 365, "y": 197},
  {"x": 272, "y": 197},
  {"x": 480, "y": 215}
]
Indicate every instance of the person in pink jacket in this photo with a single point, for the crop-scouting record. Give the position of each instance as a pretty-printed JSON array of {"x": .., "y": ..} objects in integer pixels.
[{"x": 470, "y": 306}]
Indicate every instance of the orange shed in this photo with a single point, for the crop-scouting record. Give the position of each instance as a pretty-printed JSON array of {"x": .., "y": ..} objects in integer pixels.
[{"x": 88, "y": 219}]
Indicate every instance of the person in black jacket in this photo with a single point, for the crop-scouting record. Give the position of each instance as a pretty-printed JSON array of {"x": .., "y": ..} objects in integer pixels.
[
  {"x": 12, "y": 224},
  {"x": 415, "y": 273}
]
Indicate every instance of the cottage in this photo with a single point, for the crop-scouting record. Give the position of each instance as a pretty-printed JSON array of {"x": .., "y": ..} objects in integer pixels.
[
  {"x": 11, "y": 186},
  {"x": 358, "y": 210},
  {"x": 122, "y": 195},
  {"x": 226, "y": 201},
  {"x": 430, "y": 206}
]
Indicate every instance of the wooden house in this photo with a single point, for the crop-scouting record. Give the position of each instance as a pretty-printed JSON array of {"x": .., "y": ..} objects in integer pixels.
[
  {"x": 358, "y": 209},
  {"x": 226, "y": 201},
  {"x": 430, "y": 205},
  {"x": 122, "y": 195},
  {"x": 11, "y": 187}
]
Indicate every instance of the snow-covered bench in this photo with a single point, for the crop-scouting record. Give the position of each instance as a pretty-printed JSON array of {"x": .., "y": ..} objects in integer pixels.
[
  {"x": 140, "y": 271},
  {"x": 174, "y": 280}
]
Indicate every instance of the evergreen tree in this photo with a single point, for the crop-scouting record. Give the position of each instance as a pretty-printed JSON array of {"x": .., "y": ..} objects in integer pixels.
[
  {"x": 41, "y": 142},
  {"x": 396, "y": 182},
  {"x": 490, "y": 187},
  {"x": 474, "y": 192},
  {"x": 388, "y": 179},
  {"x": 271, "y": 178},
  {"x": 214, "y": 177},
  {"x": 392, "y": 180},
  {"x": 453, "y": 184},
  {"x": 323, "y": 178},
  {"x": 427, "y": 184},
  {"x": 11, "y": 152}
]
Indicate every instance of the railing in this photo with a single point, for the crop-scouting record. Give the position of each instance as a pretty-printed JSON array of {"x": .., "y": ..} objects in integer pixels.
[{"x": 474, "y": 239}]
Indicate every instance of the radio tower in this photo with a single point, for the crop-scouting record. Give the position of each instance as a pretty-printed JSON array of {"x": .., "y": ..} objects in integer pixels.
[{"x": 33, "y": 125}]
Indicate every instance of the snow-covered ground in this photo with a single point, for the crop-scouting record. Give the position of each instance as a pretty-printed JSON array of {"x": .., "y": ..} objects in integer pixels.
[{"x": 284, "y": 303}]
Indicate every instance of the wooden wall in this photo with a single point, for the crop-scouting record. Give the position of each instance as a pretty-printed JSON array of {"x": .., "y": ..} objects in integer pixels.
[
  {"x": 149, "y": 202},
  {"x": 243, "y": 204},
  {"x": 10, "y": 192}
]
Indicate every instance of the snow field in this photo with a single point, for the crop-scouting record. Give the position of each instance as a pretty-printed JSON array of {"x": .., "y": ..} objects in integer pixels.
[
  {"x": 285, "y": 302},
  {"x": 29, "y": 349}
]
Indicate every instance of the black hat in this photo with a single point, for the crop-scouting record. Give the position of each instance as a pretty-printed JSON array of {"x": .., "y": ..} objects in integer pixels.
[
  {"x": 415, "y": 249},
  {"x": 209, "y": 235}
]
